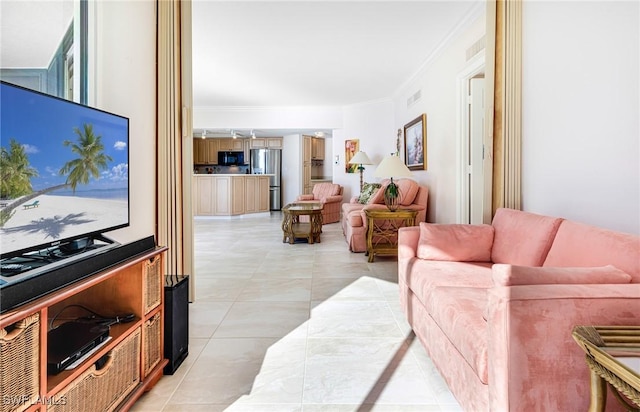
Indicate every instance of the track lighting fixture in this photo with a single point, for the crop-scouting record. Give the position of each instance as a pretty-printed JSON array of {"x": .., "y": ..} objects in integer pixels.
[
  {"x": 253, "y": 134},
  {"x": 204, "y": 133}
]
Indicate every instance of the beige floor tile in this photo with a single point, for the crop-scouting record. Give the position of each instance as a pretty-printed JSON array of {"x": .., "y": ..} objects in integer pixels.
[{"x": 295, "y": 328}]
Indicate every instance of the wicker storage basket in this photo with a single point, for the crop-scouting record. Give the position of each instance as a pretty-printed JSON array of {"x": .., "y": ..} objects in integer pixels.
[
  {"x": 104, "y": 389},
  {"x": 152, "y": 293},
  {"x": 151, "y": 343},
  {"x": 19, "y": 364}
]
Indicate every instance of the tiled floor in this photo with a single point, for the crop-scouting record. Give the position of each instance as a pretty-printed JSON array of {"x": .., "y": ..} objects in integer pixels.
[{"x": 279, "y": 327}]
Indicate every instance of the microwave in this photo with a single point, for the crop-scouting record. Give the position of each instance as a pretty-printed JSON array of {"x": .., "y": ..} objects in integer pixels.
[{"x": 230, "y": 158}]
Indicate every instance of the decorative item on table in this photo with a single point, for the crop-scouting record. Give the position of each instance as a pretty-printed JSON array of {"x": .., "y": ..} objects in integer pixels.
[
  {"x": 360, "y": 159},
  {"x": 351, "y": 147},
  {"x": 415, "y": 143},
  {"x": 392, "y": 166}
]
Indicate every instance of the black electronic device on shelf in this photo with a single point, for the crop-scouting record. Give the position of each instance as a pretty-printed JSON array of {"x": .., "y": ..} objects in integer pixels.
[{"x": 71, "y": 341}]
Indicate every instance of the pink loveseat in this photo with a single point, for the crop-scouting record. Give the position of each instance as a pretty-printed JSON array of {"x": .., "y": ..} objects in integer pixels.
[
  {"x": 494, "y": 305},
  {"x": 330, "y": 195},
  {"x": 354, "y": 220}
]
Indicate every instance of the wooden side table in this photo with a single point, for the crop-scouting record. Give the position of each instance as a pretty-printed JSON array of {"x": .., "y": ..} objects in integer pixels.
[
  {"x": 602, "y": 345},
  {"x": 293, "y": 229},
  {"x": 382, "y": 230}
]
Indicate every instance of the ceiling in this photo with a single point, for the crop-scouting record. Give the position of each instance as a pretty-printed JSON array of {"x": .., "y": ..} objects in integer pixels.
[
  {"x": 31, "y": 31},
  {"x": 275, "y": 53},
  {"x": 314, "y": 53}
]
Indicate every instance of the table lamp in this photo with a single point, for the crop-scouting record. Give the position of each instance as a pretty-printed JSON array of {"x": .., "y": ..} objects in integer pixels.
[
  {"x": 360, "y": 158},
  {"x": 392, "y": 166}
]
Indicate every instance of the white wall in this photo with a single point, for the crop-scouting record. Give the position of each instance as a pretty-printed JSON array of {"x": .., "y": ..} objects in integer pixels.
[
  {"x": 125, "y": 84},
  {"x": 267, "y": 117},
  {"x": 291, "y": 168},
  {"x": 581, "y": 149},
  {"x": 373, "y": 125},
  {"x": 438, "y": 86}
]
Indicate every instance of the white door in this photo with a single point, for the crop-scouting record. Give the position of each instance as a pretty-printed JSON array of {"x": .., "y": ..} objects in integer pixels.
[{"x": 476, "y": 152}]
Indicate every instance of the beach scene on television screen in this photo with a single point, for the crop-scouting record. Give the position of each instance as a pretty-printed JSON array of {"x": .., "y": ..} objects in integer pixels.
[{"x": 64, "y": 170}]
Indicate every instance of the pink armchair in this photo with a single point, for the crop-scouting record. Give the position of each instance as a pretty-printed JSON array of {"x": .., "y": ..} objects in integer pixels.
[{"x": 330, "y": 195}]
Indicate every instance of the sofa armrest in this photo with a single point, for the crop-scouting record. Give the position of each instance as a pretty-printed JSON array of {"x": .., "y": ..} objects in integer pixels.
[
  {"x": 408, "y": 238},
  {"x": 332, "y": 199},
  {"x": 305, "y": 197},
  {"x": 530, "y": 344}
]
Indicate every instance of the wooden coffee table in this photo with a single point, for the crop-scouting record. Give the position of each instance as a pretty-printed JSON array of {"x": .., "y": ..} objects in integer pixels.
[
  {"x": 604, "y": 347},
  {"x": 293, "y": 228}
]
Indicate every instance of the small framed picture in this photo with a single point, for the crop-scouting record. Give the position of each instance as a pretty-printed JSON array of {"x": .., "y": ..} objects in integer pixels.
[
  {"x": 415, "y": 143},
  {"x": 351, "y": 147}
]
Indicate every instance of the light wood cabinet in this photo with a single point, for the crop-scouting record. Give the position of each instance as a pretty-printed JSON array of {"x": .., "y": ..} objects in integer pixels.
[
  {"x": 306, "y": 165},
  {"x": 274, "y": 143},
  {"x": 231, "y": 144},
  {"x": 237, "y": 195},
  {"x": 266, "y": 143},
  {"x": 317, "y": 148},
  {"x": 135, "y": 349},
  {"x": 204, "y": 195},
  {"x": 205, "y": 151},
  {"x": 222, "y": 195},
  {"x": 263, "y": 194},
  {"x": 256, "y": 194},
  {"x": 228, "y": 195}
]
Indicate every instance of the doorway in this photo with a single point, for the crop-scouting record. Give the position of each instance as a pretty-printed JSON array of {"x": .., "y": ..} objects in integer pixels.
[{"x": 470, "y": 146}]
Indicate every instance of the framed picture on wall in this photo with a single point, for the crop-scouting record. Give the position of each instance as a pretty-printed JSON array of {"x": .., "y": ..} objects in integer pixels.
[
  {"x": 415, "y": 143},
  {"x": 351, "y": 147}
]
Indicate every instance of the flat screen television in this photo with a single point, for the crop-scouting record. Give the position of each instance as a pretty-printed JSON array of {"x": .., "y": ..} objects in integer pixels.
[{"x": 64, "y": 172}]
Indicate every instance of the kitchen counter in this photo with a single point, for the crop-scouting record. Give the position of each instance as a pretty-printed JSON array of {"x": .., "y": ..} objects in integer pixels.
[{"x": 230, "y": 194}]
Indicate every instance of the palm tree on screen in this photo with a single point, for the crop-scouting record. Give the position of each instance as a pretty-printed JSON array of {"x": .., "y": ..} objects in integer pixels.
[
  {"x": 15, "y": 171},
  {"x": 91, "y": 158}
]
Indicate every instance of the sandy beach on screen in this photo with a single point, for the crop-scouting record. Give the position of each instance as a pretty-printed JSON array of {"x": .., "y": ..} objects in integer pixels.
[{"x": 58, "y": 217}]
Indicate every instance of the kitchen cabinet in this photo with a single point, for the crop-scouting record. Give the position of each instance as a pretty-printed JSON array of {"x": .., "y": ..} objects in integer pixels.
[
  {"x": 317, "y": 148},
  {"x": 230, "y": 195},
  {"x": 205, "y": 151},
  {"x": 204, "y": 195},
  {"x": 266, "y": 143},
  {"x": 306, "y": 165},
  {"x": 256, "y": 194},
  {"x": 231, "y": 144},
  {"x": 237, "y": 195}
]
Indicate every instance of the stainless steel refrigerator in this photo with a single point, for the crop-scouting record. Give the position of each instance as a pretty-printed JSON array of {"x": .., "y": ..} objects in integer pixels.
[{"x": 269, "y": 162}]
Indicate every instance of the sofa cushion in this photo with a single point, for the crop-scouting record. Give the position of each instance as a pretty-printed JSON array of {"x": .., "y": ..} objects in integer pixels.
[
  {"x": 522, "y": 238},
  {"x": 577, "y": 244},
  {"x": 509, "y": 275},
  {"x": 425, "y": 275},
  {"x": 408, "y": 191},
  {"x": 378, "y": 196},
  {"x": 368, "y": 190},
  {"x": 454, "y": 242},
  {"x": 458, "y": 312},
  {"x": 325, "y": 189}
]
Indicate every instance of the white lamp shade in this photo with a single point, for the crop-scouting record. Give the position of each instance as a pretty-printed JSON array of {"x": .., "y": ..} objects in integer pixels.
[
  {"x": 360, "y": 158},
  {"x": 392, "y": 166}
]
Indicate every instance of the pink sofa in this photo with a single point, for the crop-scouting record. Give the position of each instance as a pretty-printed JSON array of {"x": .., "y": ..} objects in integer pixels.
[
  {"x": 354, "y": 221},
  {"x": 330, "y": 195},
  {"x": 494, "y": 305}
]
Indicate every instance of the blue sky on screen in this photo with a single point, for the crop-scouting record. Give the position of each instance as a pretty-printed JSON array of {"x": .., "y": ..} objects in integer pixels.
[{"x": 41, "y": 123}]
